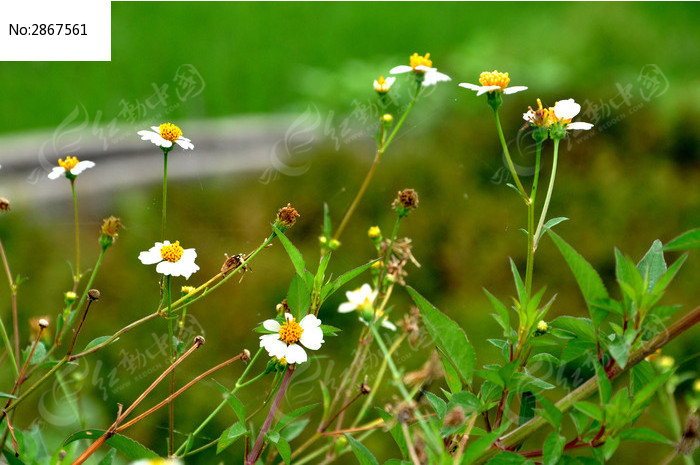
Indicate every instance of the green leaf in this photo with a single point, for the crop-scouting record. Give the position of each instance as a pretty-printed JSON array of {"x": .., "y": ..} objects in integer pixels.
[
  {"x": 298, "y": 297},
  {"x": 292, "y": 251},
  {"x": 604, "y": 386},
  {"x": 686, "y": 241},
  {"x": 652, "y": 266},
  {"x": 553, "y": 222},
  {"x": 527, "y": 407},
  {"x": 667, "y": 277},
  {"x": 519, "y": 286},
  {"x": 230, "y": 435},
  {"x": 294, "y": 429},
  {"x": 329, "y": 330},
  {"x": 107, "y": 459},
  {"x": 477, "y": 448},
  {"x": 364, "y": 456},
  {"x": 439, "y": 405},
  {"x": 37, "y": 356},
  {"x": 620, "y": 351},
  {"x": 465, "y": 399},
  {"x": 97, "y": 341},
  {"x": 395, "y": 431},
  {"x": 641, "y": 374},
  {"x": 553, "y": 448},
  {"x": 549, "y": 412},
  {"x": 233, "y": 401},
  {"x": 326, "y": 398},
  {"x": 588, "y": 280},
  {"x": 591, "y": 410},
  {"x": 580, "y": 327},
  {"x": 644, "y": 435},
  {"x": 507, "y": 458},
  {"x": 321, "y": 273},
  {"x": 450, "y": 373},
  {"x": 503, "y": 315},
  {"x": 7, "y": 396},
  {"x": 132, "y": 449},
  {"x": 288, "y": 417},
  {"x": 448, "y": 336},
  {"x": 284, "y": 450},
  {"x": 326, "y": 221}
]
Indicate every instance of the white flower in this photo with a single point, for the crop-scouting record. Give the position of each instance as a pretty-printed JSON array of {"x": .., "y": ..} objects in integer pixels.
[
  {"x": 164, "y": 136},
  {"x": 172, "y": 259},
  {"x": 565, "y": 110},
  {"x": 362, "y": 300},
  {"x": 382, "y": 85},
  {"x": 422, "y": 67},
  {"x": 71, "y": 168},
  {"x": 283, "y": 342},
  {"x": 493, "y": 81}
]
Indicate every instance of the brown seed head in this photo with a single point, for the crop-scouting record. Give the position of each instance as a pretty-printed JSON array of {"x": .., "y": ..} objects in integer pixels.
[
  {"x": 454, "y": 417},
  {"x": 199, "y": 340},
  {"x": 110, "y": 227},
  {"x": 246, "y": 355},
  {"x": 94, "y": 294},
  {"x": 287, "y": 216},
  {"x": 43, "y": 323},
  {"x": 365, "y": 389},
  {"x": 282, "y": 307},
  {"x": 4, "y": 205},
  {"x": 408, "y": 198},
  {"x": 689, "y": 440}
]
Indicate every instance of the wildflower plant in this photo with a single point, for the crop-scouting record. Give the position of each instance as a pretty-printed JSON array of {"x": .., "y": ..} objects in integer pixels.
[{"x": 451, "y": 410}]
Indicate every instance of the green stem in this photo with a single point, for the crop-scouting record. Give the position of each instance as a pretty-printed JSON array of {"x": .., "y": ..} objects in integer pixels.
[
  {"x": 381, "y": 149},
  {"x": 165, "y": 193},
  {"x": 509, "y": 160},
  {"x": 552, "y": 177},
  {"x": 173, "y": 357},
  {"x": 531, "y": 224},
  {"x": 8, "y": 348},
  {"x": 14, "y": 357},
  {"x": 76, "y": 276}
]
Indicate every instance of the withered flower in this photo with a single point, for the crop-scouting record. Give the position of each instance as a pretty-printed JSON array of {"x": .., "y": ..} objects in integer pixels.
[
  {"x": 286, "y": 217},
  {"x": 4, "y": 205}
]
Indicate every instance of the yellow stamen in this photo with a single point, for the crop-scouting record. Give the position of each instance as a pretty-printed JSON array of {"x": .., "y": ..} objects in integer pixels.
[
  {"x": 291, "y": 331},
  {"x": 69, "y": 164},
  {"x": 494, "y": 79},
  {"x": 417, "y": 60},
  {"x": 172, "y": 252},
  {"x": 170, "y": 132},
  {"x": 381, "y": 85}
]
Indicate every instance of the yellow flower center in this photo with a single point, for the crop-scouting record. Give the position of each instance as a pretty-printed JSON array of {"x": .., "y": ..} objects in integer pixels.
[
  {"x": 170, "y": 132},
  {"x": 417, "y": 60},
  {"x": 69, "y": 164},
  {"x": 171, "y": 252},
  {"x": 494, "y": 79},
  {"x": 544, "y": 117},
  {"x": 291, "y": 331},
  {"x": 381, "y": 85}
]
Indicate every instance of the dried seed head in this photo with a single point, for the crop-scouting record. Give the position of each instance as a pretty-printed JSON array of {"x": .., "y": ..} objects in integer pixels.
[
  {"x": 4, "y": 205},
  {"x": 405, "y": 201},
  {"x": 94, "y": 294},
  {"x": 199, "y": 340},
  {"x": 454, "y": 417},
  {"x": 110, "y": 226},
  {"x": 365, "y": 389},
  {"x": 282, "y": 307},
  {"x": 287, "y": 216},
  {"x": 246, "y": 355},
  {"x": 689, "y": 440},
  {"x": 43, "y": 323}
]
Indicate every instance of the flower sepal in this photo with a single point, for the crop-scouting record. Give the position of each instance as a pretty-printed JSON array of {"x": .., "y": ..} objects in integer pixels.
[{"x": 495, "y": 99}]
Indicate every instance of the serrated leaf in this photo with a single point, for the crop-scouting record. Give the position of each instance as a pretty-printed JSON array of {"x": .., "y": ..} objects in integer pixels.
[
  {"x": 447, "y": 335},
  {"x": 97, "y": 341},
  {"x": 580, "y": 327},
  {"x": 591, "y": 410},
  {"x": 553, "y": 448},
  {"x": 364, "y": 456},
  {"x": 686, "y": 241},
  {"x": 230, "y": 435},
  {"x": 132, "y": 449},
  {"x": 604, "y": 386},
  {"x": 667, "y": 277},
  {"x": 588, "y": 280},
  {"x": 641, "y": 374},
  {"x": 652, "y": 266},
  {"x": 233, "y": 401},
  {"x": 439, "y": 405},
  {"x": 298, "y": 297},
  {"x": 107, "y": 459},
  {"x": 294, "y": 254},
  {"x": 504, "y": 320},
  {"x": 321, "y": 273},
  {"x": 288, "y": 417},
  {"x": 644, "y": 435},
  {"x": 329, "y": 330},
  {"x": 527, "y": 408}
]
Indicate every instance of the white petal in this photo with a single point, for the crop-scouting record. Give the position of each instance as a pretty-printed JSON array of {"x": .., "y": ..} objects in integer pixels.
[
  {"x": 426, "y": 69},
  {"x": 164, "y": 143},
  {"x": 309, "y": 321},
  {"x": 582, "y": 126},
  {"x": 433, "y": 77},
  {"x": 185, "y": 144},
  {"x": 183, "y": 268},
  {"x": 514, "y": 89},
  {"x": 152, "y": 255},
  {"x": 147, "y": 135},
  {"x": 271, "y": 325},
  {"x": 390, "y": 81},
  {"x": 56, "y": 172},
  {"x": 274, "y": 347},
  {"x": 167, "y": 268},
  {"x": 400, "y": 69},
  {"x": 288, "y": 316},
  {"x": 82, "y": 166},
  {"x": 156, "y": 129},
  {"x": 485, "y": 89},
  {"x": 389, "y": 325},
  {"x": 466, "y": 85},
  {"x": 295, "y": 354},
  {"x": 312, "y": 338},
  {"x": 529, "y": 116},
  {"x": 188, "y": 254},
  {"x": 347, "y": 307},
  {"x": 566, "y": 109}
]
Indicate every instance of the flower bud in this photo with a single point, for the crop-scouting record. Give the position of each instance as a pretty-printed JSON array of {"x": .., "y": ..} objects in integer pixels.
[
  {"x": 286, "y": 217},
  {"x": 246, "y": 355},
  {"x": 405, "y": 201},
  {"x": 109, "y": 231},
  {"x": 374, "y": 233},
  {"x": 542, "y": 328},
  {"x": 185, "y": 290},
  {"x": 70, "y": 297},
  {"x": 333, "y": 244}
]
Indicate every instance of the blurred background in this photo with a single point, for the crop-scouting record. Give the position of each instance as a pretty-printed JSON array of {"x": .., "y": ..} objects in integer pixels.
[{"x": 278, "y": 101}]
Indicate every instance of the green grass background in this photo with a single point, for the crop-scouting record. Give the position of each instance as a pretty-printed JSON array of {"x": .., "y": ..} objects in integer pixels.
[{"x": 631, "y": 183}]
